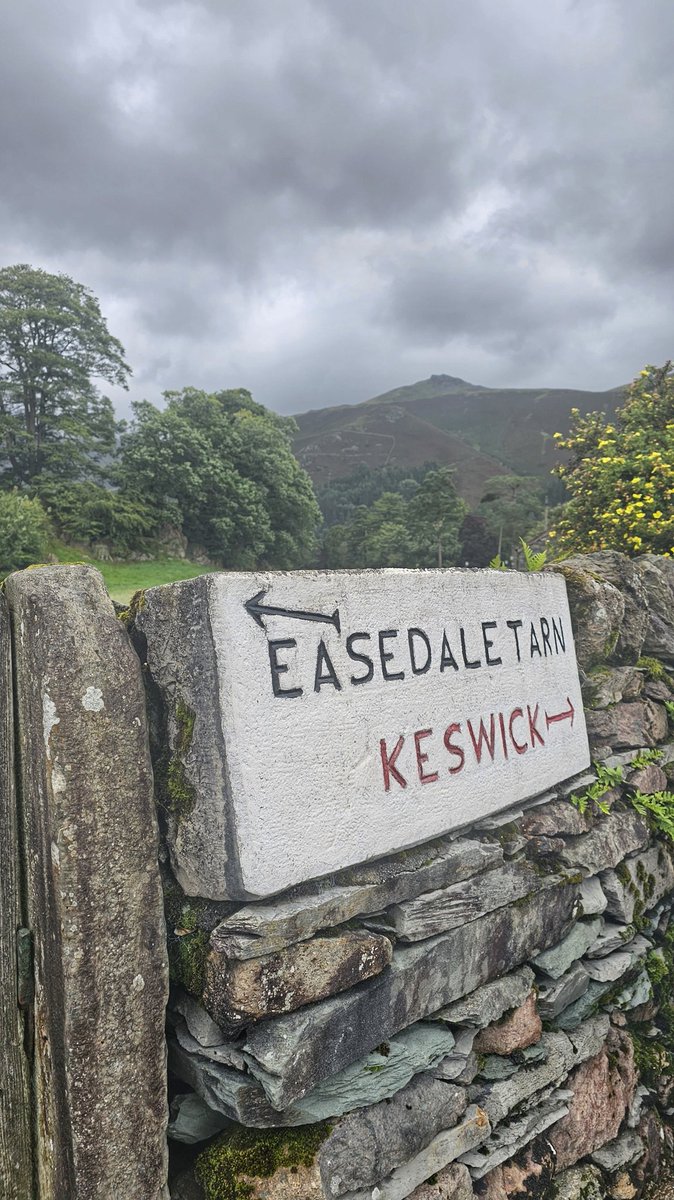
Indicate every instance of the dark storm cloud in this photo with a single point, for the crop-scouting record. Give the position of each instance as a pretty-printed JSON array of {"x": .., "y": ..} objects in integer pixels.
[{"x": 321, "y": 200}]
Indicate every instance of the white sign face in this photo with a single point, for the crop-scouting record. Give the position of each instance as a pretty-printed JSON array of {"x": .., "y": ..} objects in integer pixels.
[{"x": 363, "y": 712}]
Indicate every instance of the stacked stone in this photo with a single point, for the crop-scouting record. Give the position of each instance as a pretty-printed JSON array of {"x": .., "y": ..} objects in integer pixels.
[{"x": 487, "y": 1015}]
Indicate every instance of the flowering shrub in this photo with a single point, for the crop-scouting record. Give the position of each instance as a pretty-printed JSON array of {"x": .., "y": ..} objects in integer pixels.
[{"x": 621, "y": 473}]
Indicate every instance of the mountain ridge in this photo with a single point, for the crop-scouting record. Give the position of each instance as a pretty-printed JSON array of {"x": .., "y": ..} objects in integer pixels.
[{"x": 478, "y": 430}]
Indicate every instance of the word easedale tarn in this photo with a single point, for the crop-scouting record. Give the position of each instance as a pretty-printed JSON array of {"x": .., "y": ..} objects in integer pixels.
[{"x": 349, "y": 714}]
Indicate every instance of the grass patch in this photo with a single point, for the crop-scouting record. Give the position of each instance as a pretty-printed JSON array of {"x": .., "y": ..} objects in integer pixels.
[{"x": 122, "y": 579}]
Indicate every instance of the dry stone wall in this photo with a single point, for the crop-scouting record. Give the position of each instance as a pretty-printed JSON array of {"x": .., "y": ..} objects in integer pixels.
[{"x": 487, "y": 1015}]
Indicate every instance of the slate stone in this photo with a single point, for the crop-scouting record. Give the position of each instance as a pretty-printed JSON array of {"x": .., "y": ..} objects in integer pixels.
[
  {"x": 452, "y": 1183},
  {"x": 445, "y": 1148},
  {"x": 589, "y": 1037},
  {"x": 638, "y": 723},
  {"x": 500, "y": 1098},
  {"x": 554, "y": 995},
  {"x": 603, "y": 1089},
  {"x": 597, "y": 611},
  {"x": 612, "y": 937},
  {"x": 556, "y": 817},
  {"x": 580, "y": 1183},
  {"x": 258, "y": 929},
  {"x": 624, "y": 1150},
  {"x": 489, "y": 1002},
  {"x": 460, "y": 1066},
  {"x": 192, "y": 1121},
  {"x": 509, "y": 1138},
  {"x": 292, "y": 1053},
  {"x": 578, "y": 1012},
  {"x": 236, "y": 993},
  {"x": 592, "y": 897},
  {"x": 201, "y": 1026},
  {"x": 368, "y": 1145},
  {"x": 494, "y": 1067},
  {"x": 639, "y": 883},
  {"x": 610, "y": 968},
  {"x": 93, "y": 890},
  {"x": 657, "y": 581},
  {"x": 376, "y": 1077},
  {"x": 612, "y": 839},
  {"x": 605, "y": 686},
  {"x": 519, "y": 1029},
  {"x": 226, "y": 1052},
  {"x": 447, "y": 908},
  {"x": 622, "y": 573},
  {"x": 648, "y": 779},
  {"x": 635, "y": 994},
  {"x": 557, "y": 959}
]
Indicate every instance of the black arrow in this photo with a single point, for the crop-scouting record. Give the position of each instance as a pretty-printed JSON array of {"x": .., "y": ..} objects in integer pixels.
[{"x": 258, "y": 610}]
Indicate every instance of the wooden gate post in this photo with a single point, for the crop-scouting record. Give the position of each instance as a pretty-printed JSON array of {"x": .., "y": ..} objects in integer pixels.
[
  {"x": 16, "y": 1169},
  {"x": 93, "y": 890}
]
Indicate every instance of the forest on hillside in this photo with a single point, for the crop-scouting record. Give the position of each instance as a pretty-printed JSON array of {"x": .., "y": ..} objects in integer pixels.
[{"x": 212, "y": 478}]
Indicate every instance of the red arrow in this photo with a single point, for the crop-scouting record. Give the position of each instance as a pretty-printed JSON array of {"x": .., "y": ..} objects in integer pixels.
[{"x": 568, "y": 715}]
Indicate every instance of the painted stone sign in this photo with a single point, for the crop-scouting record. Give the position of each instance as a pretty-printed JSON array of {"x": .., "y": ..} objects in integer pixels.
[{"x": 320, "y": 719}]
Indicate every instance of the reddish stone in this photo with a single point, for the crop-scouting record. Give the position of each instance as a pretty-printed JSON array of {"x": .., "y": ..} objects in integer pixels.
[
  {"x": 528, "y": 1173},
  {"x": 519, "y": 1029},
  {"x": 603, "y": 1090}
]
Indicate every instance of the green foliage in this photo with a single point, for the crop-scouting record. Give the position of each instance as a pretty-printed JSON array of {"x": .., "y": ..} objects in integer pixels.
[
  {"x": 659, "y": 808},
  {"x": 607, "y": 778},
  {"x": 54, "y": 343},
  {"x": 478, "y": 543},
  {"x": 510, "y": 505},
  {"x": 644, "y": 758},
  {"x": 621, "y": 473},
  {"x": 669, "y": 705},
  {"x": 395, "y": 532},
  {"x": 434, "y": 517},
  {"x": 225, "y": 1168},
  {"x": 24, "y": 532},
  {"x": 339, "y": 498},
  {"x": 221, "y": 468},
  {"x": 534, "y": 560},
  {"x": 653, "y": 668},
  {"x": 88, "y": 512}
]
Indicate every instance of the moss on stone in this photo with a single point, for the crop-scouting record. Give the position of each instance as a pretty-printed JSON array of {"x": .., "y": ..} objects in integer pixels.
[
  {"x": 227, "y": 1168},
  {"x": 136, "y": 605},
  {"x": 180, "y": 793},
  {"x": 187, "y": 961}
]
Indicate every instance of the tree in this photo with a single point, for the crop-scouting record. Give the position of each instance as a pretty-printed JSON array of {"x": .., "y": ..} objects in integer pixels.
[
  {"x": 478, "y": 544},
  {"x": 434, "y": 519},
  {"x": 511, "y": 505},
  {"x": 221, "y": 468},
  {"x": 24, "y": 532},
  {"x": 621, "y": 472},
  {"x": 54, "y": 343}
]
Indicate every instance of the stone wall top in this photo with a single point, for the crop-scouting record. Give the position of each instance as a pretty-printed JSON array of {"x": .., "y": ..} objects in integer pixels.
[{"x": 321, "y": 719}]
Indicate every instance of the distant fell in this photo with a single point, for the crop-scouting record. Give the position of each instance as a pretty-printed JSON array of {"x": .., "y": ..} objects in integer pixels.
[{"x": 480, "y": 431}]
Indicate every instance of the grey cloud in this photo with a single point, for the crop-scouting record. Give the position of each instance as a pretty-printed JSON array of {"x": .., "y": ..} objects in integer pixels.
[{"x": 320, "y": 200}]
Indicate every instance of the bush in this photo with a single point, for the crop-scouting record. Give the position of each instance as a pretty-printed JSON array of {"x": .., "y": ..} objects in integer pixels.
[
  {"x": 87, "y": 512},
  {"x": 24, "y": 532}
]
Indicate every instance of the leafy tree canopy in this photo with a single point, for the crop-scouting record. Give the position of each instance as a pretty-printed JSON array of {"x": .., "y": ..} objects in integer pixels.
[
  {"x": 511, "y": 505},
  {"x": 24, "y": 532},
  {"x": 396, "y": 532},
  {"x": 221, "y": 468},
  {"x": 621, "y": 473},
  {"x": 54, "y": 343},
  {"x": 339, "y": 498}
]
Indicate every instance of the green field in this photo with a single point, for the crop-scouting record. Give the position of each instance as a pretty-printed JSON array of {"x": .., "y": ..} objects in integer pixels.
[{"x": 122, "y": 579}]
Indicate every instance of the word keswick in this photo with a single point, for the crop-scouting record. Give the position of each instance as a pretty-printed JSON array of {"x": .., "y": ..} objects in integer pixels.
[{"x": 320, "y": 719}]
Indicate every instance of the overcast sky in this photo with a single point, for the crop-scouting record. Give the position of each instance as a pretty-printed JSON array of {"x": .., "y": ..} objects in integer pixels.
[{"x": 323, "y": 199}]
